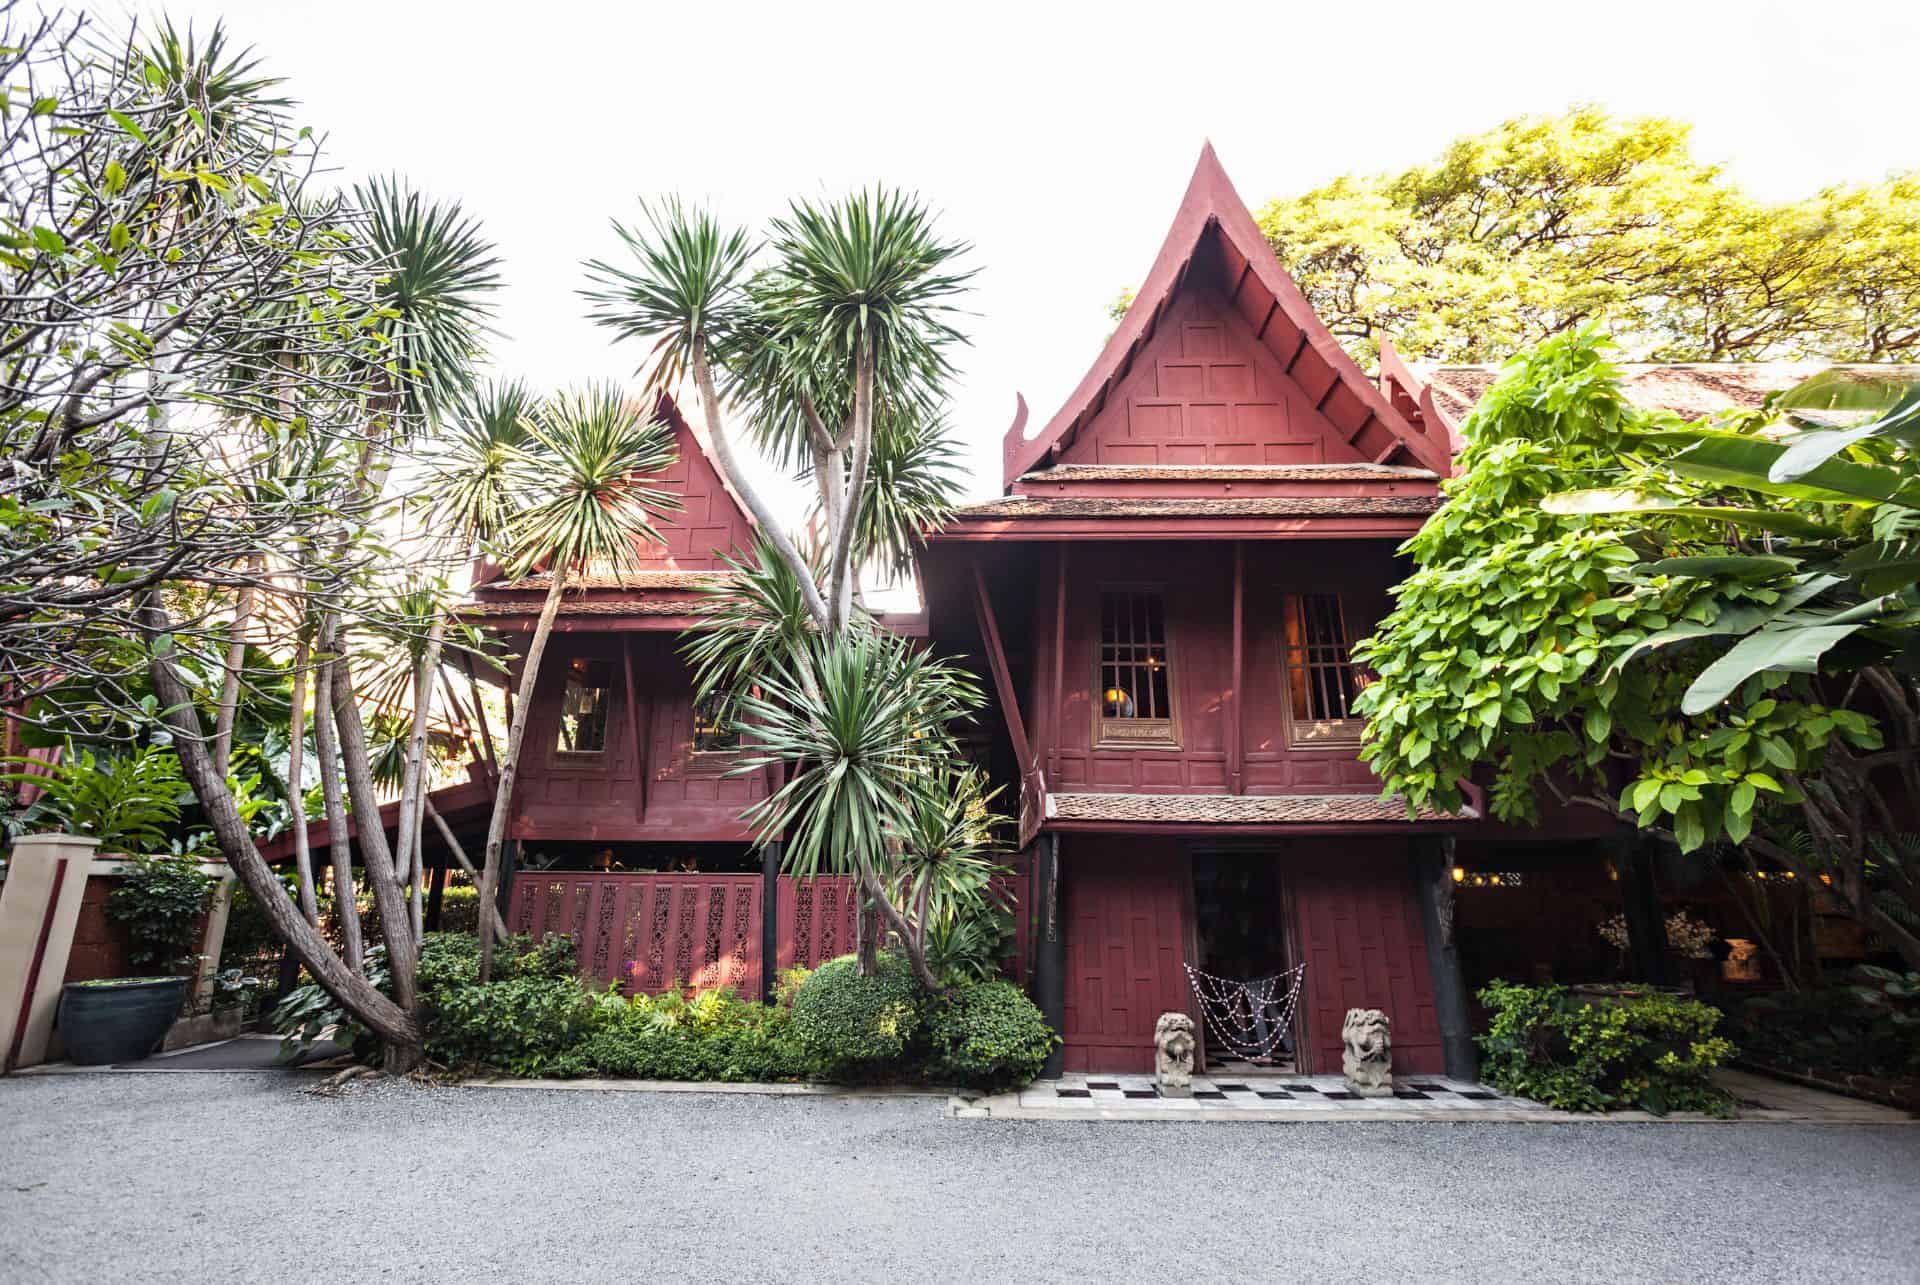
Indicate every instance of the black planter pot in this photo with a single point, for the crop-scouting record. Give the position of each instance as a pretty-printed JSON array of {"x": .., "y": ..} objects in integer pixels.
[{"x": 118, "y": 1021}]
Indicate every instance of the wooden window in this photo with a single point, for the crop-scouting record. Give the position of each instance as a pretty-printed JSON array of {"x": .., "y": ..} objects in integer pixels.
[
  {"x": 713, "y": 731},
  {"x": 583, "y": 708},
  {"x": 1321, "y": 682},
  {"x": 1135, "y": 669}
]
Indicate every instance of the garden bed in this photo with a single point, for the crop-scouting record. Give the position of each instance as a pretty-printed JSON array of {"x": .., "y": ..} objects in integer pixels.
[{"x": 1901, "y": 1093}]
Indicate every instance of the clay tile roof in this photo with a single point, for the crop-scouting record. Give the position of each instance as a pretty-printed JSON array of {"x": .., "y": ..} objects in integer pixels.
[
  {"x": 1234, "y": 809},
  {"x": 1231, "y": 473},
  {"x": 607, "y": 578},
  {"x": 1275, "y": 506},
  {"x": 1688, "y": 389},
  {"x": 595, "y": 607}
]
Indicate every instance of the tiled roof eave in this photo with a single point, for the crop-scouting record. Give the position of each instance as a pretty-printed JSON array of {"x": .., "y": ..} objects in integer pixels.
[{"x": 1240, "y": 809}]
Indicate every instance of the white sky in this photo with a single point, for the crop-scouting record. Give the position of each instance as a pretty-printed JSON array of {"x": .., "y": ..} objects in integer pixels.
[{"x": 1056, "y": 138}]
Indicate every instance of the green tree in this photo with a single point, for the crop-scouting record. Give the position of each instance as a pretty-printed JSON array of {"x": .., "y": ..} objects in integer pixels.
[
  {"x": 1549, "y": 222},
  {"x": 1561, "y": 633}
]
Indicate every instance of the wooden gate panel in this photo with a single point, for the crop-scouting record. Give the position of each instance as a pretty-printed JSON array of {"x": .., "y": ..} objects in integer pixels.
[
  {"x": 1364, "y": 946},
  {"x": 1126, "y": 912},
  {"x": 814, "y": 920},
  {"x": 653, "y": 931}
]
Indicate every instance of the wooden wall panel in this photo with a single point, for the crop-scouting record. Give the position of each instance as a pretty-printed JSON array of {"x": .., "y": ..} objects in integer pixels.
[
  {"x": 653, "y": 932},
  {"x": 1125, "y": 907},
  {"x": 1364, "y": 946}
]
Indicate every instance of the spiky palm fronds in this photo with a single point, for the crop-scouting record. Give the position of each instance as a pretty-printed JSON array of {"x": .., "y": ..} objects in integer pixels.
[
  {"x": 476, "y": 461},
  {"x": 685, "y": 286},
  {"x": 587, "y": 477},
  {"x": 439, "y": 272}
]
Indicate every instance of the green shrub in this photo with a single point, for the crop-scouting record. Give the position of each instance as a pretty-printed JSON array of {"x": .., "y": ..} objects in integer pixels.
[
  {"x": 1869, "y": 1027},
  {"x": 989, "y": 1035},
  {"x": 555, "y": 956},
  {"x": 521, "y": 1025},
  {"x": 160, "y": 900},
  {"x": 712, "y": 1037},
  {"x": 1654, "y": 1052},
  {"x": 858, "y": 1026}
]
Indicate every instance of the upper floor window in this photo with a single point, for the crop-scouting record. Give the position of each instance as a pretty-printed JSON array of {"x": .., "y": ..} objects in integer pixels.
[
  {"x": 583, "y": 708},
  {"x": 1135, "y": 669},
  {"x": 713, "y": 731},
  {"x": 1321, "y": 682}
]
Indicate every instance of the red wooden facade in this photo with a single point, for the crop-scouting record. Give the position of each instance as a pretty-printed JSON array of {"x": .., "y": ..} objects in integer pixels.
[{"x": 652, "y": 932}]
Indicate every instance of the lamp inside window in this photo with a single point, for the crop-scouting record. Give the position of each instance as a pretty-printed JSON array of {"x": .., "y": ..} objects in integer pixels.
[
  {"x": 1322, "y": 683},
  {"x": 713, "y": 730},
  {"x": 583, "y": 708},
  {"x": 1135, "y": 672}
]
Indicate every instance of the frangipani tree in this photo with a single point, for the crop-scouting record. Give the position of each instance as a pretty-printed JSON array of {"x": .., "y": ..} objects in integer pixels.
[
  {"x": 1564, "y": 630},
  {"x": 830, "y": 340}
]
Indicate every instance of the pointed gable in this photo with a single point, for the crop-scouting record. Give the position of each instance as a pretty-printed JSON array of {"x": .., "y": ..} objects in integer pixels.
[
  {"x": 1221, "y": 361},
  {"x": 710, "y": 522}
]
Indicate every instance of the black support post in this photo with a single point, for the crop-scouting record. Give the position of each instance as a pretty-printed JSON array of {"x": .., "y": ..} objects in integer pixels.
[
  {"x": 1646, "y": 926},
  {"x": 1050, "y": 951},
  {"x": 503, "y": 896},
  {"x": 436, "y": 891},
  {"x": 769, "y": 918},
  {"x": 1433, "y": 879}
]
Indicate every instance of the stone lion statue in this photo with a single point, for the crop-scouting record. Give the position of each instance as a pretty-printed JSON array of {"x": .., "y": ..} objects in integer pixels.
[
  {"x": 1173, "y": 1054},
  {"x": 1368, "y": 1056}
]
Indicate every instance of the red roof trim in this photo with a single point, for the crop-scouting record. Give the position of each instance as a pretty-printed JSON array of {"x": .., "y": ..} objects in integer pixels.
[{"x": 1211, "y": 201}]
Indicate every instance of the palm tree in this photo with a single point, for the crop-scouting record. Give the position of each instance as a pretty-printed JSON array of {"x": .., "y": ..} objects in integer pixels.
[
  {"x": 585, "y": 500},
  {"x": 832, "y": 336}
]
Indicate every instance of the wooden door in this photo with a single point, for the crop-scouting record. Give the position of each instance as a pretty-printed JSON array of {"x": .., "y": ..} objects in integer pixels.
[
  {"x": 1364, "y": 947},
  {"x": 1126, "y": 920}
]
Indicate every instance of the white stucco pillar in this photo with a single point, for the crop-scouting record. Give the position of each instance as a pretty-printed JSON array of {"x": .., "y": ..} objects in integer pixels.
[{"x": 39, "y": 909}]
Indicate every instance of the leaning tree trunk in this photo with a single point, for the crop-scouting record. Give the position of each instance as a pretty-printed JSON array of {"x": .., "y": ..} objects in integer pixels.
[
  {"x": 375, "y": 856},
  {"x": 509, "y": 766},
  {"x": 346, "y": 904},
  {"x": 236, "y": 661},
  {"x": 296, "y": 795},
  {"x": 414, "y": 789},
  {"x": 395, "y": 1026}
]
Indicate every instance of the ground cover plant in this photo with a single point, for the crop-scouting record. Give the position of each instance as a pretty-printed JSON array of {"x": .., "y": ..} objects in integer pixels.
[{"x": 1650, "y": 1052}]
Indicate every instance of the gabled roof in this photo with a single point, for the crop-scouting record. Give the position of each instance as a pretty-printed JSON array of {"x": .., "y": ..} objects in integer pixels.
[{"x": 1214, "y": 236}]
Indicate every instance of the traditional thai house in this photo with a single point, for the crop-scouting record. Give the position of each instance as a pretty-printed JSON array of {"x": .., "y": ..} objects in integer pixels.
[{"x": 1167, "y": 594}]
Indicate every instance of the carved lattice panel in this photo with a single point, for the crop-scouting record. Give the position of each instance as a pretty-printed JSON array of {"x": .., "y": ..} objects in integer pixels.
[{"x": 651, "y": 931}]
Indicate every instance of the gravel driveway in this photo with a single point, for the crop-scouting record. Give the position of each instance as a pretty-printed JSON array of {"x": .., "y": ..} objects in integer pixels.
[{"x": 245, "y": 1178}]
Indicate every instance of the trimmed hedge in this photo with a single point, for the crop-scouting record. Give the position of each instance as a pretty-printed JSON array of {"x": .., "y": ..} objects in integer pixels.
[
  {"x": 856, "y": 1026},
  {"x": 988, "y": 1035},
  {"x": 1654, "y": 1052}
]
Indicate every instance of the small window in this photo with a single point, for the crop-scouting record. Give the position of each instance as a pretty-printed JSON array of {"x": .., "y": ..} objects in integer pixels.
[
  {"x": 713, "y": 730},
  {"x": 1321, "y": 682},
  {"x": 1136, "y": 672},
  {"x": 583, "y": 708}
]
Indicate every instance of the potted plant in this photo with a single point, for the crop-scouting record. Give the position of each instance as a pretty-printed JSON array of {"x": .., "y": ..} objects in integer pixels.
[{"x": 118, "y": 1019}]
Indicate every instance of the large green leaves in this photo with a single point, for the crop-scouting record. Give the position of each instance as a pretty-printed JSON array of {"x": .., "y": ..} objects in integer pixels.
[
  {"x": 1615, "y": 500},
  {"x": 1796, "y": 650}
]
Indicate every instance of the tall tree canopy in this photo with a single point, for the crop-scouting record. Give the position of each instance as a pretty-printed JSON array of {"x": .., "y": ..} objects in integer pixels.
[{"x": 1545, "y": 223}]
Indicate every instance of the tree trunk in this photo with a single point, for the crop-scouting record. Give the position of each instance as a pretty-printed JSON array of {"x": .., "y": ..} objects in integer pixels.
[
  {"x": 296, "y": 794},
  {"x": 460, "y": 854},
  {"x": 236, "y": 661},
  {"x": 346, "y": 905},
  {"x": 509, "y": 766},
  {"x": 390, "y": 1021},
  {"x": 414, "y": 788},
  {"x": 375, "y": 857}
]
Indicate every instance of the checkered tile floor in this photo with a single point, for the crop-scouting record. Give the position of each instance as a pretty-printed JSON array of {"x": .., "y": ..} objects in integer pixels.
[{"x": 1270, "y": 1092}]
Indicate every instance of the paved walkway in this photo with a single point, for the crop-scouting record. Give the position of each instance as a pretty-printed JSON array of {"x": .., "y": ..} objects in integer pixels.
[
  {"x": 246, "y": 1177},
  {"x": 1325, "y": 1099}
]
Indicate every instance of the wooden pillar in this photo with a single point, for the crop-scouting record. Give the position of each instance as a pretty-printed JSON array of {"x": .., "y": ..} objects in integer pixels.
[
  {"x": 509, "y": 865},
  {"x": 1433, "y": 880},
  {"x": 436, "y": 893},
  {"x": 1236, "y": 747},
  {"x": 769, "y": 918},
  {"x": 1050, "y": 951},
  {"x": 1059, "y": 693}
]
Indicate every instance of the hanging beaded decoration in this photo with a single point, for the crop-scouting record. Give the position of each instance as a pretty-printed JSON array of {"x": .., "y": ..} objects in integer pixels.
[{"x": 1252, "y": 1018}]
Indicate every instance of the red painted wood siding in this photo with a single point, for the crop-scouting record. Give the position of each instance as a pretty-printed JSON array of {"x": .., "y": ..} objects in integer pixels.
[
  {"x": 1197, "y": 582},
  {"x": 708, "y": 523},
  {"x": 650, "y": 931},
  {"x": 1125, "y": 907},
  {"x": 1360, "y": 931},
  {"x": 1206, "y": 391},
  {"x": 689, "y": 797},
  {"x": 815, "y": 920}
]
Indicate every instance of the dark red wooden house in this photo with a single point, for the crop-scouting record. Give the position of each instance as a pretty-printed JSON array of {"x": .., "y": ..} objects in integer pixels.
[
  {"x": 627, "y": 827},
  {"x": 1166, "y": 593}
]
